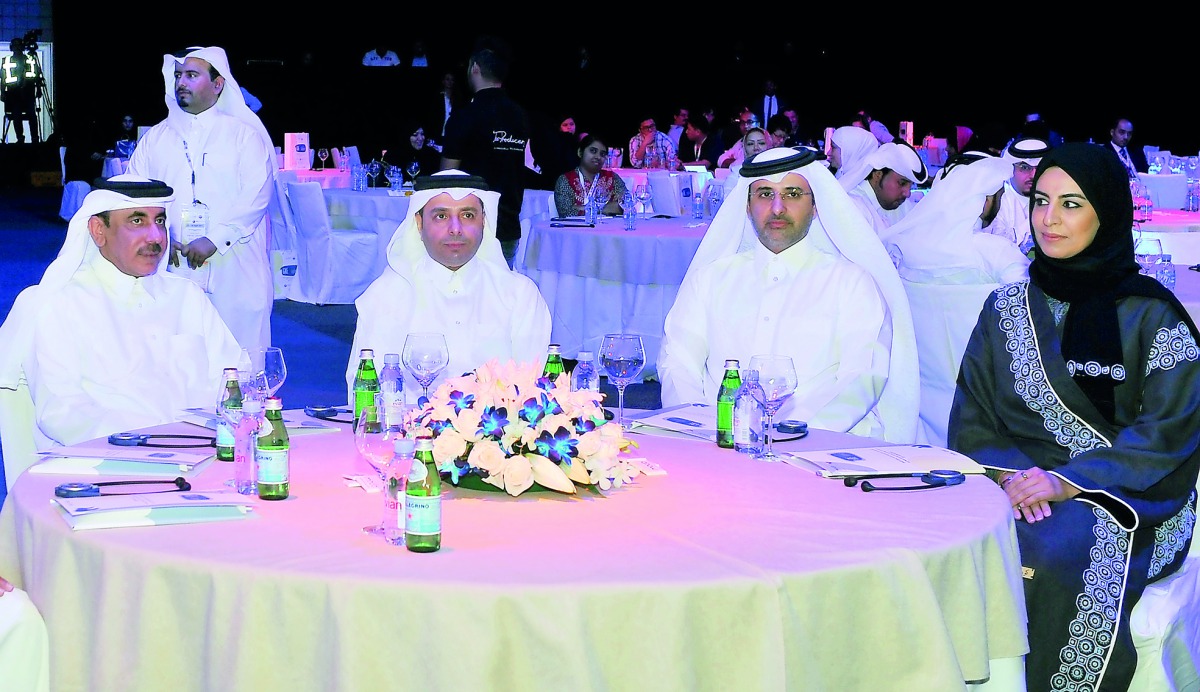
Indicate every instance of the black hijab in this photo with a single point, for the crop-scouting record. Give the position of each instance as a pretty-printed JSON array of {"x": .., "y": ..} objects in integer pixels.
[{"x": 1095, "y": 279}]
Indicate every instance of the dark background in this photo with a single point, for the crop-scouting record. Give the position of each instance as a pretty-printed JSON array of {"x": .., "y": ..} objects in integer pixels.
[{"x": 646, "y": 61}]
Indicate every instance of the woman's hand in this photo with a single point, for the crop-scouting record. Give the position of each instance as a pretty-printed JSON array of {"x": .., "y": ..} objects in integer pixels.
[{"x": 1031, "y": 491}]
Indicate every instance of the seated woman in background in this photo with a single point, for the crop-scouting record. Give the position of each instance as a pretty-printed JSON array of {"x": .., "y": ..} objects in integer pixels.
[
  {"x": 573, "y": 188},
  {"x": 1078, "y": 391},
  {"x": 417, "y": 147}
]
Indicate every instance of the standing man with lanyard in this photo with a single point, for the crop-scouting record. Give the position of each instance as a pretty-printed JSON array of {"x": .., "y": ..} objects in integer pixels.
[{"x": 219, "y": 158}]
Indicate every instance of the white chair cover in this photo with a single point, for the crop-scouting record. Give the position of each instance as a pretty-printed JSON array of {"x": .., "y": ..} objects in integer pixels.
[
  {"x": 72, "y": 198},
  {"x": 352, "y": 152},
  {"x": 536, "y": 205},
  {"x": 283, "y": 223},
  {"x": 665, "y": 193},
  {"x": 336, "y": 155},
  {"x": 944, "y": 315},
  {"x": 16, "y": 431},
  {"x": 334, "y": 266}
]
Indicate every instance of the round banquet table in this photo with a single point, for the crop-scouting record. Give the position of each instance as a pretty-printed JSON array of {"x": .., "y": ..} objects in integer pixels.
[
  {"x": 726, "y": 573},
  {"x": 605, "y": 279},
  {"x": 1179, "y": 232}
]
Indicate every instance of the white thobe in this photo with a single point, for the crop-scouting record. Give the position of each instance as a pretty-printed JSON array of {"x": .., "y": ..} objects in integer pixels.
[
  {"x": 1012, "y": 220},
  {"x": 863, "y": 196},
  {"x": 113, "y": 353},
  {"x": 24, "y": 644},
  {"x": 234, "y": 171},
  {"x": 485, "y": 311},
  {"x": 824, "y": 312}
]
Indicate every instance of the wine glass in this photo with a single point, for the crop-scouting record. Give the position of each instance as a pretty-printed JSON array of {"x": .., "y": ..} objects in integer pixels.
[
  {"x": 413, "y": 169},
  {"x": 244, "y": 422},
  {"x": 268, "y": 364},
  {"x": 777, "y": 377},
  {"x": 1156, "y": 164},
  {"x": 375, "y": 437},
  {"x": 373, "y": 169},
  {"x": 1147, "y": 252},
  {"x": 642, "y": 193},
  {"x": 394, "y": 177},
  {"x": 322, "y": 154},
  {"x": 425, "y": 356},
  {"x": 623, "y": 357},
  {"x": 600, "y": 197}
]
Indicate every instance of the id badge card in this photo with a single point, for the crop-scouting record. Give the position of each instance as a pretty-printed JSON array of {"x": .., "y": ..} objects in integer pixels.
[{"x": 194, "y": 224}]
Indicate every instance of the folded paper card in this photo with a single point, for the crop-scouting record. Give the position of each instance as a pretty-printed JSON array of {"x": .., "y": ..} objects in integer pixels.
[
  {"x": 152, "y": 509},
  {"x": 874, "y": 461},
  {"x": 98, "y": 457},
  {"x": 689, "y": 420}
]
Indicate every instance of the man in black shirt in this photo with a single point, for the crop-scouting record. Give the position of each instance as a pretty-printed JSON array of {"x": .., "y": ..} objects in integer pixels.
[{"x": 488, "y": 137}]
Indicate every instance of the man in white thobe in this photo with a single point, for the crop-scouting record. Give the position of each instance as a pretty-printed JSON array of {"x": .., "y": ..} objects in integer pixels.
[
  {"x": 109, "y": 341},
  {"x": 446, "y": 273},
  {"x": 794, "y": 270},
  {"x": 24, "y": 644},
  {"x": 881, "y": 184},
  {"x": 216, "y": 154},
  {"x": 1012, "y": 219}
]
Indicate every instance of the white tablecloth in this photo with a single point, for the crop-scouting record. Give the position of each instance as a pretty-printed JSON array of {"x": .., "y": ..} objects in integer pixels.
[
  {"x": 606, "y": 279},
  {"x": 114, "y": 166},
  {"x": 329, "y": 178},
  {"x": 1179, "y": 232},
  {"x": 725, "y": 574}
]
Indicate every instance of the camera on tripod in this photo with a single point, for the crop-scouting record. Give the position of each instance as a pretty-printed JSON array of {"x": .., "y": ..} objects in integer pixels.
[{"x": 30, "y": 40}]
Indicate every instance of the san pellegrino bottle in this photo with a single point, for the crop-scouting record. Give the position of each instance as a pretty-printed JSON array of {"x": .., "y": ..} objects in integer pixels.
[
  {"x": 729, "y": 387},
  {"x": 748, "y": 415},
  {"x": 391, "y": 380},
  {"x": 554, "y": 363},
  {"x": 394, "y": 492},
  {"x": 231, "y": 400},
  {"x": 366, "y": 383},
  {"x": 423, "y": 501},
  {"x": 273, "y": 454},
  {"x": 585, "y": 376}
]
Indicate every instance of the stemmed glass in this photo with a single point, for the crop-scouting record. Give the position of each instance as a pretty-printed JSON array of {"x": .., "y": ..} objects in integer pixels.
[
  {"x": 394, "y": 177},
  {"x": 1147, "y": 252},
  {"x": 642, "y": 193},
  {"x": 777, "y": 376},
  {"x": 413, "y": 169},
  {"x": 623, "y": 356},
  {"x": 375, "y": 437},
  {"x": 425, "y": 356},
  {"x": 373, "y": 170},
  {"x": 268, "y": 364},
  {"x": 244, "y": 422},
  {"x": 322, "y": 154},
  {"x": 600, "y": 197}
]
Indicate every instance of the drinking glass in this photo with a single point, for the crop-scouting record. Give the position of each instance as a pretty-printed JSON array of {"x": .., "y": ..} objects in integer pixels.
[
  {"x": 1147, "y": 252},
  {"x": 394, "y": 177},
  {"x": 268, "y": 364},
  {"x": 375, "y": 437},
  {"x": 623, "y": 356},
  {"x": 628, "y": 204},
  {"x": 642, "y": 193},
  {"x": 1192, "y": 164},
  {"x": 716, "y": 195},
  {"x": 344, "y": 164},
  {"x": 413, "y": 169},
  {"x": 777, "y": 376},
  {"x": 245, "y": 423},
  {"x": 425, "y": 356},
  {"x": 1156, "y": 163},
  {"x": 322, "y": 154},
  {"x": 373, "y": 169},
  {"x": 600, "y": 197}
]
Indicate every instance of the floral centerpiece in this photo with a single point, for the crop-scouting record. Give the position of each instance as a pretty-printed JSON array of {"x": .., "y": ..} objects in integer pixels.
[{"x": 511, "y": 427}]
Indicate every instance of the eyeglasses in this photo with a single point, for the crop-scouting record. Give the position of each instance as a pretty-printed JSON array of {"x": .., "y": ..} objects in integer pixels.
[
  {"x": 766, "y": 194},
  {"x": 644, "y": 128}
]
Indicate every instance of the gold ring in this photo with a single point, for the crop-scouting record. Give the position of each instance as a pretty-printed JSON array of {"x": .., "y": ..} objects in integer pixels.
[
  {"x": 1020, "y": 505},
  {"x": 1024, "y": 476}
]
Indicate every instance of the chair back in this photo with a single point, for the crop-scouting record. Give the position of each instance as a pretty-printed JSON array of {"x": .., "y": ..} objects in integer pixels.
[
  {"x": 283, "y": 222},
  {"x": 17, "y": 420},
  {"x": 352, "y": 152},
  {"x": 944, "y": 316},
  {"x": 664, "y": 193}
]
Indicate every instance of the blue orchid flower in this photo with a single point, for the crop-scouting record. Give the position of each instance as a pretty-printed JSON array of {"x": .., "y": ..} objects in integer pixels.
[
  {"x": 461, "y": 401},
  {"x": 557, "y": 447},
  {"x": 531, "y": 411},
  {"x": 438, "y": 426},
  {"x": 586, "y": 425},
  {"x": 492, "y": 422},
  {"x": 544, "y": 383}
]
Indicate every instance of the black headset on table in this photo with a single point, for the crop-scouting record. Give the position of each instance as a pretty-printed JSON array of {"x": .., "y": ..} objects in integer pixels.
[{"x": 938, "y": 478}]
